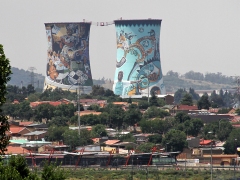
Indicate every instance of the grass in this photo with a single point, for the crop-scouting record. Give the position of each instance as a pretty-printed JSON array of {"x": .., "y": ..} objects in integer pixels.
[{"x": 142, "y": 174}]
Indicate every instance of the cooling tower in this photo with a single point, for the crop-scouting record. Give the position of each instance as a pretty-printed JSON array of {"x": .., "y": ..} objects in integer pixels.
[
  {"x": 138, "y": 67},
  {"x": 68, "y": 65}
]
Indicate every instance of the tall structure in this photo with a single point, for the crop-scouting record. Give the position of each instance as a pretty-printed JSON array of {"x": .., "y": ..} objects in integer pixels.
[
  {"x": 32, "y": 75},
  {"x": 68, "y": 65},
  {"x": 138, "y": 67}
]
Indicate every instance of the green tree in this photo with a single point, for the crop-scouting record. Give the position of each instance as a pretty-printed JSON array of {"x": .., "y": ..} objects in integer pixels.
[
  {"x": 155, "y": 112},
  {"x": 132, "y": 115},
  {"x": 181, "y": 117},
  {"x": 153, "y": 101},
  {"x": 145, "y": 147},
  {"x": 178, "y": 95},
  {"x": 225, "y": 128},
  {"x": 5, "y": 71},
  {"x": 72, "y": 138},
  {"x": 203, "y": 102},
  {"x": 210, "y": 127},
  {"x": 127, "y": 138},
  {"x": 143, "y": 105},
  {"x": 20, "y": 164},
  {"x": 232, "y": 142},
  {"x": 97, "y": 90},
  {"x": 195, "y": 96},
  {"x": 175, "y": 139},
  {"x": 44, "y": 111},
  {"x": 66, "y": 110},
  {"x": 59, "y": 121},
  {"x": 98, "y": 130},
  {"x": 187, "y": 100},
  {"x": 156, "y": 139},
  {"x": 53, "y": 172},
  {"x": 55, "y": 133},
  {"x": 25, "y": 111}
]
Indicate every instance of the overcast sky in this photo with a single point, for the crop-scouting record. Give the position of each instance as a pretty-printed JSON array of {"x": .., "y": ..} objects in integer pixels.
[{"x": 198, "y": 35}]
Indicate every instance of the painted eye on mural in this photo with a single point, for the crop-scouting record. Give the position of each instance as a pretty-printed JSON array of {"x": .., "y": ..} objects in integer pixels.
[
  {"x": 145, "y": 43},
  {"x": 141, "y": 30}
]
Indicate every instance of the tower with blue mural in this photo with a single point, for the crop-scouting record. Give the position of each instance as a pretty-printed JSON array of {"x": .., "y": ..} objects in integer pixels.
[{"x": 138, "y": 66}]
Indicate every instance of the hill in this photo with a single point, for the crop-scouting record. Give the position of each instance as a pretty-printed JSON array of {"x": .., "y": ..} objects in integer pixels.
[
  {"x": 172, "y": 83},
  {"x": 21, "y": 77}
]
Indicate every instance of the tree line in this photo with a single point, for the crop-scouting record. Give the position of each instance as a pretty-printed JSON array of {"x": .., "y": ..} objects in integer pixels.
[{"x": 218, "y": 77}]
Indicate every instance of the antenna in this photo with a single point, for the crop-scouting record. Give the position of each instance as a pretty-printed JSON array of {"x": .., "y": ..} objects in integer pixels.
[{"x": 32, "y": 69}]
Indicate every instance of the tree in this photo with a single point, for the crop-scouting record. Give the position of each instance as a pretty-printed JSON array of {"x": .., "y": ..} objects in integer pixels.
[
  {"x": 232, "y": 142},
  {"x": 156, "y": 138},
  {"x": 178, "y": 95},
  {"x": 58, "y": 121},
  {"x": 181, "y": 117},
  {"x": 72, "y": 138},
  {"x": 143, "y": 105},
  {"x": 25, "y": 111},
  {"x": 97, "y": 90},
  {"x": 132, "y": 115},
  {"x": 192, "y": 127},
  {"x": 203, "y": 102},
  {"x": 145, "y": 147},
  {"x": 44, "y": 111},
  {"x": 153, "y": 101},
  {"x": 175, "y": 139},
  {"x": 5, "y": 71},
  {"x": 187, "y": 100},
  {"x": 53, "y": 172},
  {"x": 225, "y": 128},
  {"x": 98, "y": 130},
  {"x": 195, "y": 96},
  {"x": 154, "y": 112},
  {"x": 55, "y": 133},
  {"x": 127, "y": 138}
]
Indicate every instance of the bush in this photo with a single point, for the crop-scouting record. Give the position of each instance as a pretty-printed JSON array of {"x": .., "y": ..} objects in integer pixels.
[{"x": 53, "y": 172}]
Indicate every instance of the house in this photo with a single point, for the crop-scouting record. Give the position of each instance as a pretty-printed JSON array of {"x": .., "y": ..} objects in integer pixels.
[
  {"x": 37, "y": 127},
  {"x": 16, "y": 131},
  {"x": 15, "y": 150},
  {"x": 35, "y": 135},
  {"x": 55, "y": 147},
  {"x": 168, "y": 99},
  {"x": 142, "y": 138},
  {"x": 53, "y": 103}
]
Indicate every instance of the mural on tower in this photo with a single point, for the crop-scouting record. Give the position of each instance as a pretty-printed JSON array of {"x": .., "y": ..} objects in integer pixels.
[
  {"x": 138, "y": 67},
  {"x": 68, "y": 65}
]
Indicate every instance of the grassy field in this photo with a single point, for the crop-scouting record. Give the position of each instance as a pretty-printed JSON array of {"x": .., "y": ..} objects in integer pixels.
[{"x": 142, "y": 174}]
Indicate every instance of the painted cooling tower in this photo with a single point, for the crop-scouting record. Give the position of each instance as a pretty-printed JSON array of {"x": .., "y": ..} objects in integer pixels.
[
  {"x": 138, "y": 68},
  {"x": 68, "y": 65}
]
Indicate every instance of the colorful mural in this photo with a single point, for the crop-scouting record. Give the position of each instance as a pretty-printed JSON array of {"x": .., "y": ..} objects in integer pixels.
[
  {"x": 68, "y": 65},
  {"x": 138, "y": 67}
]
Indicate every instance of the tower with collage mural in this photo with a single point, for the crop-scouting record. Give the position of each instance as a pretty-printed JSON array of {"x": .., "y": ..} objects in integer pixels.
[
  {"x": 138, "y": 66},
  {"x": 68, "y": 65}
]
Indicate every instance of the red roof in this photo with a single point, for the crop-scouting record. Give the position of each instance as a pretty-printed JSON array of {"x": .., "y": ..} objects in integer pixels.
[
  {"x": 111, "y": 142},
  {"x": 186, "y": 107},
  {"x": 205, "y": 142},
  {"x": 53, "y": 103},
  {"x": 88, "y": 100},
  {"x": 15, "y": 130},
  {"x": 16, "y": 150}
]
